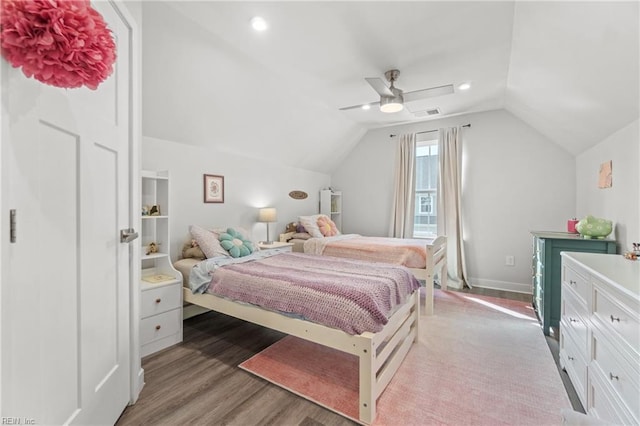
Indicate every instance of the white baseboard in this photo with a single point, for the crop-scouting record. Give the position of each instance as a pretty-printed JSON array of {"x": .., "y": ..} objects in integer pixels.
[
  {"x": 139, "y": 384},
  {"x": 501, "y": 285}
]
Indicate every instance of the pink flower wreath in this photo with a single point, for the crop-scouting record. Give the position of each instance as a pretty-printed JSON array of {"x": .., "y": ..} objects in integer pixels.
[{"x": 63, "y": 43}]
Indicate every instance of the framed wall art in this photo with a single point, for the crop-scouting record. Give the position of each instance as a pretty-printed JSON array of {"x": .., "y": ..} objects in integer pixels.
[
  {"x": 213, "y": 189},
  {"x": 605, "y": 175}
]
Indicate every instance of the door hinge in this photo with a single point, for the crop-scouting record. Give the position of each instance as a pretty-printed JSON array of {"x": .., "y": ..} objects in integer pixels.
[{"x": 12, "y": 226}]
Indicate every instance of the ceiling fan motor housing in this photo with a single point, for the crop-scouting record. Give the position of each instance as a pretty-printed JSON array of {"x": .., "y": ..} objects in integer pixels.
[{"x": 392, "y": 75}]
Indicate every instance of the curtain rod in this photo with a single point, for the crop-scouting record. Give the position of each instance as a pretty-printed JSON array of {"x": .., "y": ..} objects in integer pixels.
[{"x": 431, "y": 131}]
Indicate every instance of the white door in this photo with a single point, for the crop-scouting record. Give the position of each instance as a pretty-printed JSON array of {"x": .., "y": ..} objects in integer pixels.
[{"x": 65, "y": 293}]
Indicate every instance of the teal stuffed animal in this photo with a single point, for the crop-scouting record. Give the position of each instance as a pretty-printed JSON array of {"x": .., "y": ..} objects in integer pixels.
[{"x": 593, "y": 227}]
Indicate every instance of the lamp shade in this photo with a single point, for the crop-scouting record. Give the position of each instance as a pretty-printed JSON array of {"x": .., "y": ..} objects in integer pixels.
[{"x": 267, "y": 215}]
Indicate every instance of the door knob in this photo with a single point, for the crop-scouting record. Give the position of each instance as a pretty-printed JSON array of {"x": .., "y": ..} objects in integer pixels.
[{"x": 127, "y": 235}]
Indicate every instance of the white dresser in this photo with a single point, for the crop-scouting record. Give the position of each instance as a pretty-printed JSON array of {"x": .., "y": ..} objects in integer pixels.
[{"x": 600, "y": 333}]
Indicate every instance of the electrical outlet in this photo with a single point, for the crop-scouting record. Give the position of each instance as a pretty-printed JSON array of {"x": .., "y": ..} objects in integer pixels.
[{"x": 510, "y": 261}]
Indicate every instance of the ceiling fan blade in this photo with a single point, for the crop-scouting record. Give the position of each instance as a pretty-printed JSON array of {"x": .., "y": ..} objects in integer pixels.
[
  {"x": 379, "y": 86},
  {"x": 431, "y": 92},
  {"x": 372, "y": 104}
]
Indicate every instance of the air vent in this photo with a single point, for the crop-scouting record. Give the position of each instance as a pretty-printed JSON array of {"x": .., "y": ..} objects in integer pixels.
[{"x": 427, "y": 112}]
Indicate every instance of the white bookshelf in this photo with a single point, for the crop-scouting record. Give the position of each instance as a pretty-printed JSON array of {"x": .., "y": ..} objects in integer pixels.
[
  {"x": 331, "y": 205},
  {"x": 161, "y": 311}
]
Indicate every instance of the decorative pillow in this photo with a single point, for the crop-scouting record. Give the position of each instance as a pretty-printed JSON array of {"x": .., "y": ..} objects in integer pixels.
[
  {"x": 300, "y": 228},
  {"x": 327, "y": 227},
  {"x": 310, "y": 224},
  {"x": 208, "y": 242},
  {"x": 191, "y": 250},
  {"x": 245, "y": 235},
  {"x": 235, "y": 243}
]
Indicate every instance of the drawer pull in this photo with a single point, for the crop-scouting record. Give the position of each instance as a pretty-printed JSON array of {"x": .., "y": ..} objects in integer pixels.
[
  {"x": 612, "y": 377},
  {"x": 614, "y": 319},
  {"x": 158, "y": 327},
  {"x": 572, "y": 319},
  {"x": 570, "y": 358},
  {"x": 572, "y": 282},
  {"x": 158, "y": 300}
]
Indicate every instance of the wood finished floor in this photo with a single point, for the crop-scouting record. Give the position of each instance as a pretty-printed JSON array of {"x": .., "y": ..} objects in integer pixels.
[{"x": 197, "y": 382}]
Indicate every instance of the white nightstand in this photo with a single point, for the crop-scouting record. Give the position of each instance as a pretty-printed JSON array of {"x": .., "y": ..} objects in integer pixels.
[
  {"x": 161, "y": 316},
  {"x": 277, "y": 247}
]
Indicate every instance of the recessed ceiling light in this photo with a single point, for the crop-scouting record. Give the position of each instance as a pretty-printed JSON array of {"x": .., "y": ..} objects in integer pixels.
[
  {"x": 365, "y": 107},
  {"x": 258, "y": 23},
  {"x": 464, "y": 86}
]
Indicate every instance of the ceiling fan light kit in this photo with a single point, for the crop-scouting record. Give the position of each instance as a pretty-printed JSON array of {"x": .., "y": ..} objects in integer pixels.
[
  {"x": 389, "y": 104},
  {"x": 392, "y": 99},
  {"x": 395, "y": 102}
]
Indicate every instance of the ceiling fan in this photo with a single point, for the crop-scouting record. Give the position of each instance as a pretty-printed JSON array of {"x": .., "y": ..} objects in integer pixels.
[{"x": 392, "y": 99}]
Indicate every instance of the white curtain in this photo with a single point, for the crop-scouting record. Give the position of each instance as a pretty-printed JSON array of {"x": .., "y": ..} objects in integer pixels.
[
  {"x": 449, "y": 203},
  {"x": 404, "y": 198}
]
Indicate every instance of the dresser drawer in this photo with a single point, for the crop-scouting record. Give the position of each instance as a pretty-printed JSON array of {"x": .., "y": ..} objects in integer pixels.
[
  {"x": 617, "y": 315},
  {"x": 614, "y": 368},
  {"x": 160, "y": 326},
  {"x": 571, "y": 358},
  {"x": 604, "y": 405},
  {"x": 574, "y": 315},
  {"x": 161, "y": 299},
  {"x": 577, "y": 282}
]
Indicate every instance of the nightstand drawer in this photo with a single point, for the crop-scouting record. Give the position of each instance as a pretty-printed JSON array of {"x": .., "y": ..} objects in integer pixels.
[
  {"x": 276, "y": 247},
  {"x": 281, "y": 250},
  {"x": 161, "y": 299},
  {"x": 159, "y": 326}
]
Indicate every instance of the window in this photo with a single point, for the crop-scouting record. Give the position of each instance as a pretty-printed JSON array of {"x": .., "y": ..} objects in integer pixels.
[{"x": 425, "y": 220}]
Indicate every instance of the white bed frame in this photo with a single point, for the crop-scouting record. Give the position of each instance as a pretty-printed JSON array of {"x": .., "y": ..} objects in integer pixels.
[
  {"x": 380, "y": 354},
  {"x": 436, "y": 265}
]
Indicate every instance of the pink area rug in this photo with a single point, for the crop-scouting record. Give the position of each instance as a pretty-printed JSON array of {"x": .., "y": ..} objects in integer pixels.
[{"x": 479, "y": 361}]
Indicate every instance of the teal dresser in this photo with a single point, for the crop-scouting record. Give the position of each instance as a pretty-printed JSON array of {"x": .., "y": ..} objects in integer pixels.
[{"x": 546, "y": 276}]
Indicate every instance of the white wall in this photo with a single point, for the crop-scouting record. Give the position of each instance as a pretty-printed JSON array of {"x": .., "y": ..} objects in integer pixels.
[
  {"x": 620, "y": 203},
  {"x": 515, "y": 181},
  {"x": 248, "y": 185}
]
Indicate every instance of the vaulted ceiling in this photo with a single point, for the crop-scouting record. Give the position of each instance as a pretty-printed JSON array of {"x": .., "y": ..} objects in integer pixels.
[{"x": 569, "y": 69}]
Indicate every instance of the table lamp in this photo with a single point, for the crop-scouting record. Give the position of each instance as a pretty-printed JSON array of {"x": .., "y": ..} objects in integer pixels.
[{"x": 267, "y": 215}]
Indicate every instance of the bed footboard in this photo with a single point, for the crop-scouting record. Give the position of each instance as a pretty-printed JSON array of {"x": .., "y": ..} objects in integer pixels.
[
  {"x": 380, "y": 354},
  {"x": 436, "y": 265}
]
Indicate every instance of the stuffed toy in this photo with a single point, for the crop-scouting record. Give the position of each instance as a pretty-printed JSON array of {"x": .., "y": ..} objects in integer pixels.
[
  {"x": 593, "y": 227},
  {"x": 291, "y": 227},
  {"x": 152, "y": 248},
  {"x": 191, "y": 250}
]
